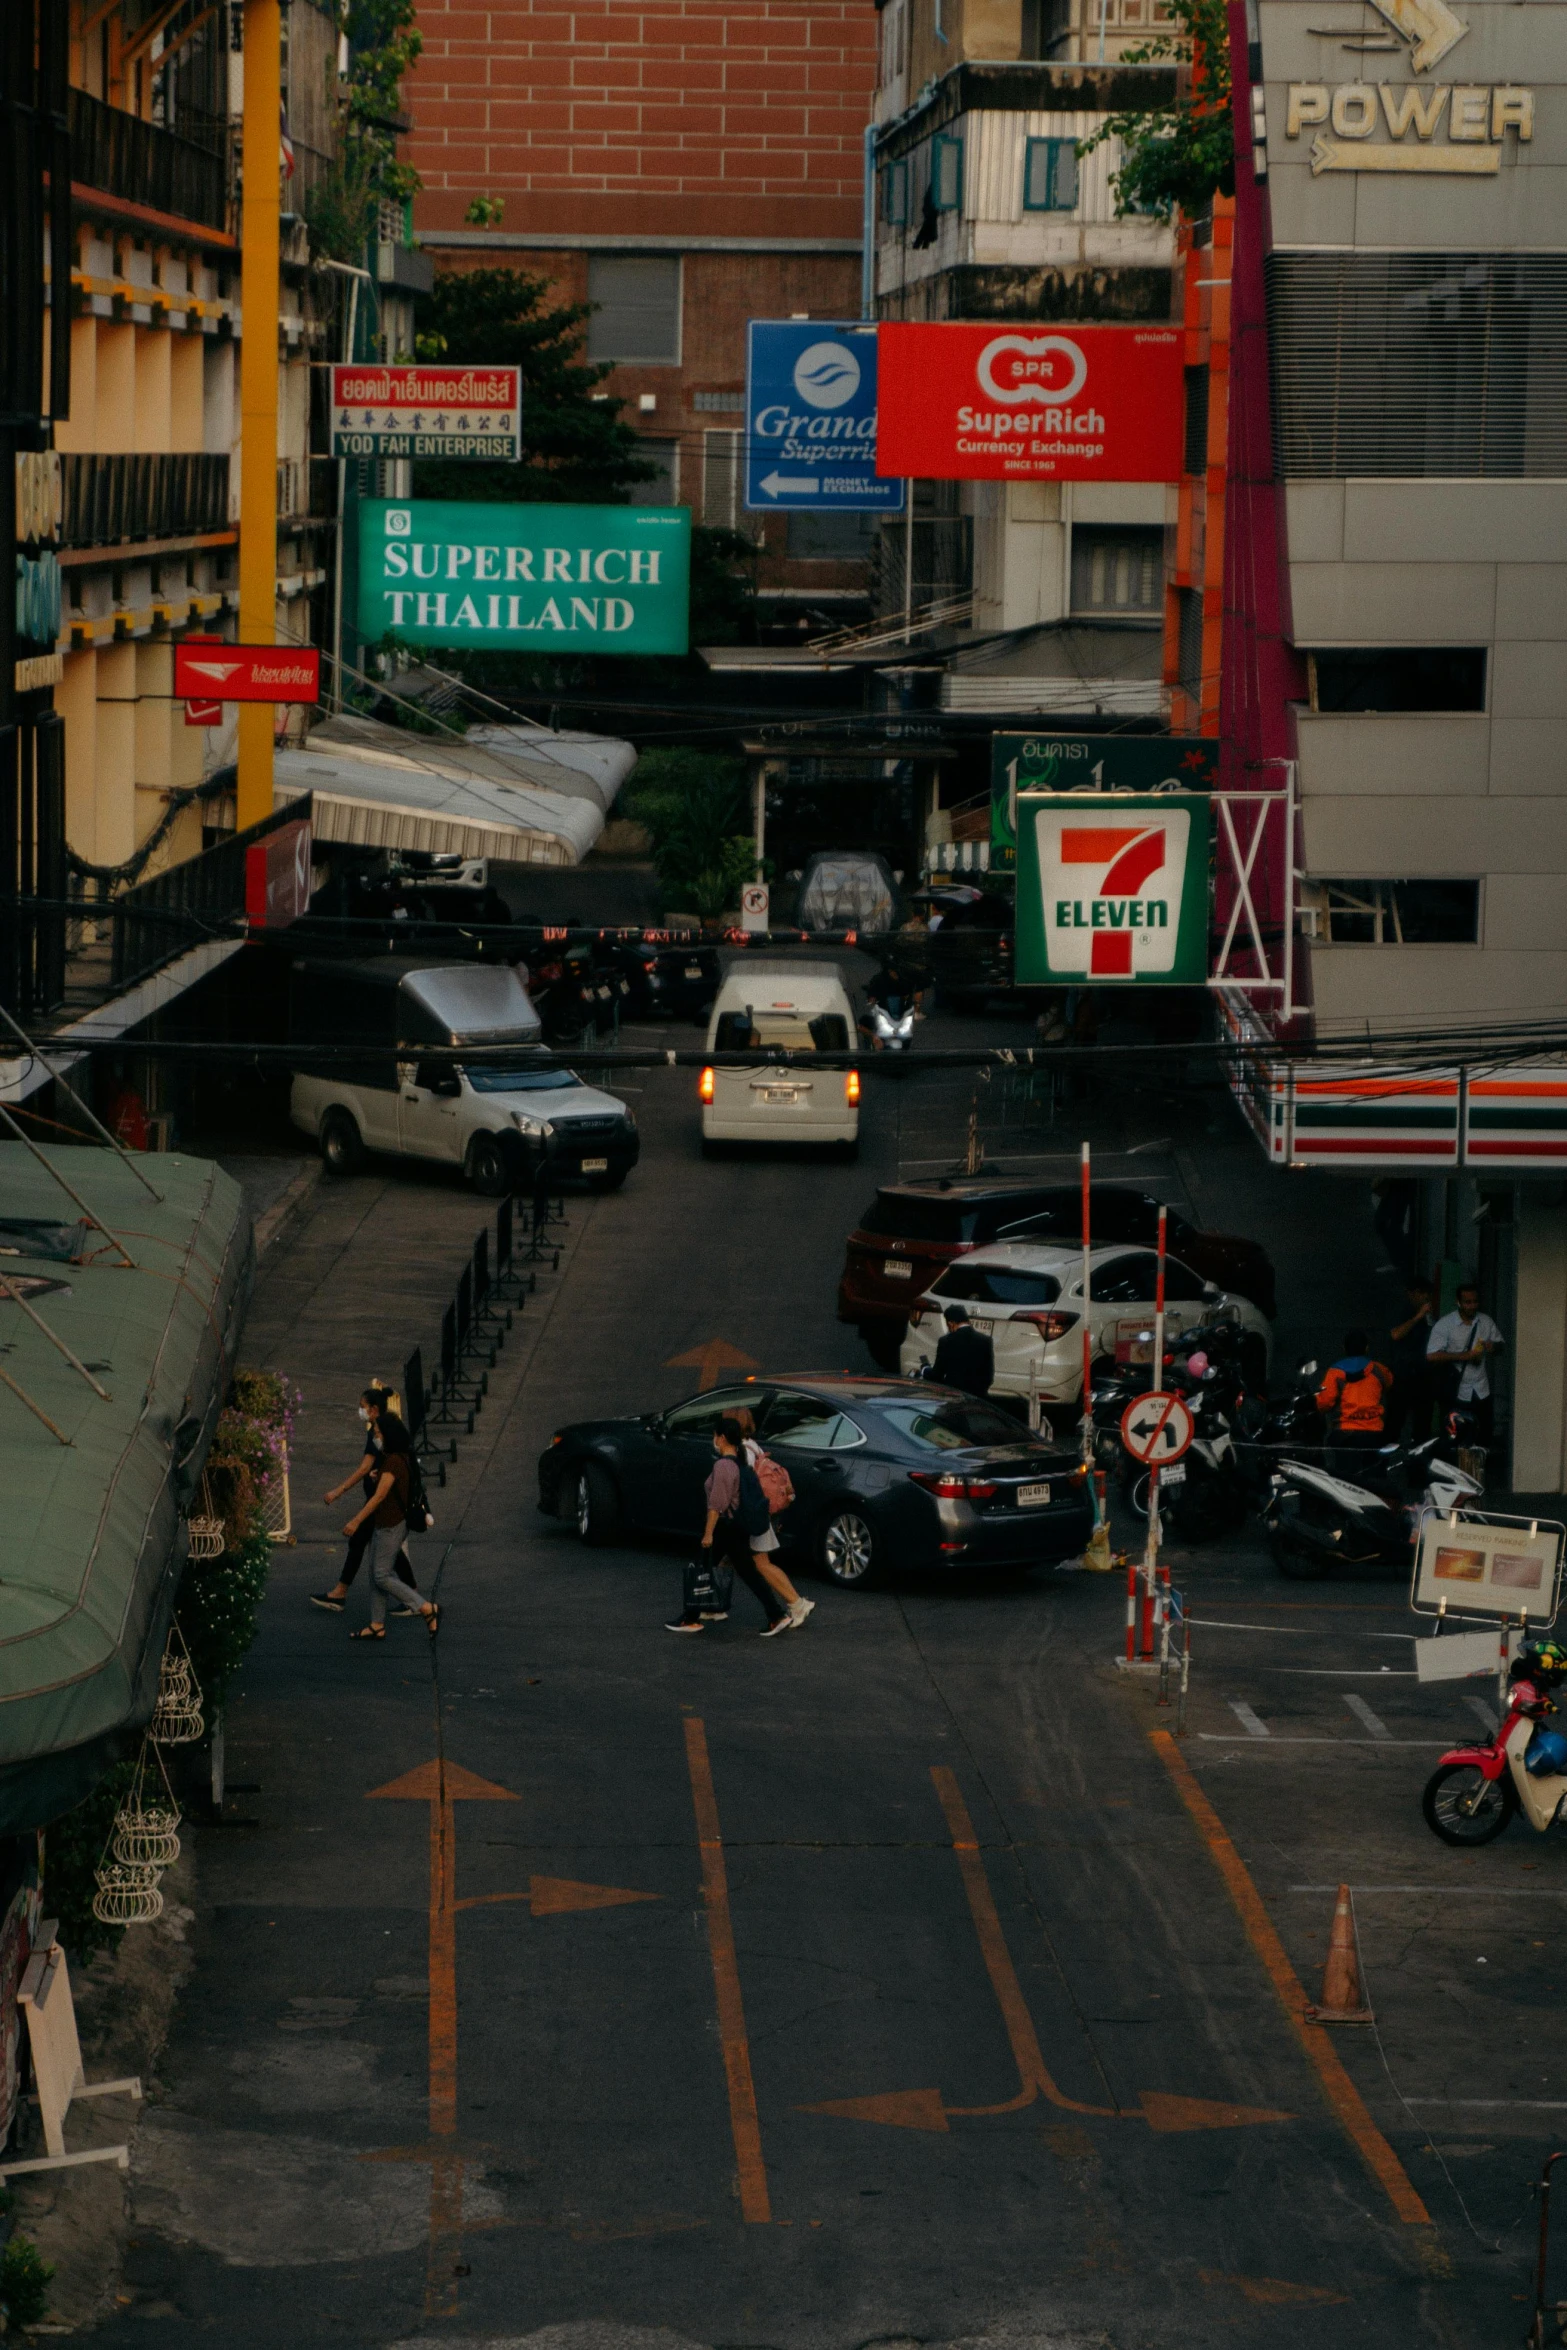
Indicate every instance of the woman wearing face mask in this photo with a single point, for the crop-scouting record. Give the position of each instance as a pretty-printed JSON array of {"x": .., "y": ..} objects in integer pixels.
[{"x": 384, "y": 1432}]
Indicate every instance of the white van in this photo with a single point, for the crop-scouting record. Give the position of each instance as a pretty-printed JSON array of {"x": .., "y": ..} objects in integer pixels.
[
  {"x": 498, "y": 1119},
  {"x": 804, "y": 1008}
]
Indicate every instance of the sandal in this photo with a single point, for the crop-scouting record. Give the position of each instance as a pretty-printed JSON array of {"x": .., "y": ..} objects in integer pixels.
[
  {"x": 432, "y": 1622},
  {"x": 369, "y": 1632}
]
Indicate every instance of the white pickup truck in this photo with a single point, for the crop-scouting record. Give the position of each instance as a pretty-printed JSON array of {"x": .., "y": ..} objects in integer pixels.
[{"x": 499, "y": 1118}]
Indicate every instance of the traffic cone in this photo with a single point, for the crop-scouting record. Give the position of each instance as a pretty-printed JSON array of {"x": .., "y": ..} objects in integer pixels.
[
  {"x": 1096, "y": 1558},
  {"x": 1343, "y": 2001}
]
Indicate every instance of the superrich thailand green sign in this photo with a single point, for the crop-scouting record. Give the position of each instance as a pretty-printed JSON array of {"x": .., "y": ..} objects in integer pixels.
[
  {"x": 1092, "y": 762},
  {"x": 599, "y": 579},
  {"x": 1112, "y": 886}
]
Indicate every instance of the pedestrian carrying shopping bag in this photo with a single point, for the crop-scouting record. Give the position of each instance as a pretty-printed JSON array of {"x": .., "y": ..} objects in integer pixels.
[{"x": 709, "y": 1587}]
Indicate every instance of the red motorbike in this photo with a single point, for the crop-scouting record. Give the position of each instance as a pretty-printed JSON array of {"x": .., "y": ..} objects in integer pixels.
[{"x": 1474, "y": 1791}]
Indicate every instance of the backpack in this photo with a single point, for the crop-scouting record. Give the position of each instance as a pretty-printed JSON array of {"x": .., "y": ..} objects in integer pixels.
[
  {"x": 752, "y": 1511},
  {"x": 773, "y": 1478},
  {"x": 420, "y": 1515}
]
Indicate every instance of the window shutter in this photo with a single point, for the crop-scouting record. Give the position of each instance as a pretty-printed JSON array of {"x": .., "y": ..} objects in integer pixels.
[{"x": 946, "y": 174}]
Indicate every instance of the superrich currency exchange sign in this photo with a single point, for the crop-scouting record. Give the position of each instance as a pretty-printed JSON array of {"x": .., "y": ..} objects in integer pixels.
[
  {"x": 426, "y": 411},
  {"x": 601, "y": 579}
]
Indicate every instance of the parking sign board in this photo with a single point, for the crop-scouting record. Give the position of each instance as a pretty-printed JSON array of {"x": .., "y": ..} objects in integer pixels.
[{"x": 810, "y": 412}]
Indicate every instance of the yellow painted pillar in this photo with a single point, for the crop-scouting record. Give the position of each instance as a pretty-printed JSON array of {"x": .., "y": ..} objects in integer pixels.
[{"x": 258, "y": 387}]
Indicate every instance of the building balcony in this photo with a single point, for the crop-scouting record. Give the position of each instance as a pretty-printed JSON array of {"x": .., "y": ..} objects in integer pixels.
[
  {"x": 120, "y": 155},
  {"x": 113, "y": 502}
]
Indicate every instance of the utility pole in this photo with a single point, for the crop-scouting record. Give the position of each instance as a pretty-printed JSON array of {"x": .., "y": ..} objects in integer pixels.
[{"x": 258, "y": 387}]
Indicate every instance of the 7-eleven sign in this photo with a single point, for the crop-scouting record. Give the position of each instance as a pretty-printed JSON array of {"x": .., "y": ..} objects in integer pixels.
[{"x": 1112, "y": 887}]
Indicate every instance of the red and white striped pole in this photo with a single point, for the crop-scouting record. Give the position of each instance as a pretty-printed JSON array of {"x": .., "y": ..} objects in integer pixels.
[{"x": 1151, "y": 1553}]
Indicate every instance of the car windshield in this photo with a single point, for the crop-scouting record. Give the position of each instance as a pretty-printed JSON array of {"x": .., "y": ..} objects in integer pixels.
[
  {"x": 491, "y": 1077},
  {"x": 950, "y": 1426},
  {"x": 997, "y": 1285},
  {"x": 895, "y": 1215}
]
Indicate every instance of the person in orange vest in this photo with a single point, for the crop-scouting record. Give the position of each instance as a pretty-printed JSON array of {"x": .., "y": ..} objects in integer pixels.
[{"x": 1353, "y": 1400}]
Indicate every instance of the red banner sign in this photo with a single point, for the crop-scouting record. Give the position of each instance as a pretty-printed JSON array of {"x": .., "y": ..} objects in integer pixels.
[
  {"x": 1029, "y": 403},
  {"x": 206, "y": 671},
  {"x": 204, "y": 713},
  {"x": 277, "y": 877}
]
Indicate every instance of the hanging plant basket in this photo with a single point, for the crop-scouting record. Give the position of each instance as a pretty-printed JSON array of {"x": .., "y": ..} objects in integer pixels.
[
  {"x": 177, "y": 1716},
  {"x": 127, "y": 1894},
  {"x": 143, "y": 1837}
]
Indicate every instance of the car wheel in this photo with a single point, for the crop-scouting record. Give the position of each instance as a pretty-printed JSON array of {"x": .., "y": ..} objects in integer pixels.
[
  {"x": 712, "y": 1149},
  {"x": 595, "y": 1509},
  {"x": 487, "y": 1167},
  {"x": 849, "y": 1552},
  {"x": 848, "y": 1151},
  {"x": 342, "y": 1150}
]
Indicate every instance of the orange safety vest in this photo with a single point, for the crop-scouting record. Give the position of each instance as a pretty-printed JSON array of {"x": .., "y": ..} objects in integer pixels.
[{"x": 1355, "y": 1398}]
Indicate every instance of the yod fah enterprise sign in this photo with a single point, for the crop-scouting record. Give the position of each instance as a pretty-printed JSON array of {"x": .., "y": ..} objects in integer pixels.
[
  {"x": 1112, "y": 887},
  {"x": 525, "y": 578},
  {"x": 998, "y": 403},
  {"x": 810, "y": 417}
]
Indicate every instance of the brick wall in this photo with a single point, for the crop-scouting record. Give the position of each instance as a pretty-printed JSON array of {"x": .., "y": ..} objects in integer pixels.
[{"x": 652, "y": 117}]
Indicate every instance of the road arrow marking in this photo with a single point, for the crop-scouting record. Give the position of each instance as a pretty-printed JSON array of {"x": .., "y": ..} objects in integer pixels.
[
  {"x": 1429, "y": 24},
  {"x": 1271, "y": 2292},
  {"x": 443, "y": 1785},
  {"x": 711, "y": 1357},
  {"x": 925, "y": 2109},
  {"x": 549, "y": 1897},
  {"x": 1335, "y": 155},
  {"x": 901, "y": 2109},
  {"x": 803, "y": 484}
]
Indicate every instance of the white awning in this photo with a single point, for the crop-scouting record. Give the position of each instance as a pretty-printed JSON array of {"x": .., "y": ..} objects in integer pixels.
[{"x": 380, "y": 800}]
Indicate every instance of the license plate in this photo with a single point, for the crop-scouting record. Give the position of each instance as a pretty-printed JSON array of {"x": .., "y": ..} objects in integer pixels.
[
  {"x": 1175, "y": 1474},
  {"x": 779, "y": 1093},
  {"x": 693, "y": 970},
  {"x": 894, "y": 1269},
  {"x": 1032, "y": 1497},
  {"x": 595, "y": 1166}
]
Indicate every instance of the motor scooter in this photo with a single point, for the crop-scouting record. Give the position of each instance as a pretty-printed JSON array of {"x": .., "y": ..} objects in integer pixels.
[
  {"x": 1317, "y": 1522},
  {"x": 1474, "y": 1791},
  {"x": 890, "y": 1028}
]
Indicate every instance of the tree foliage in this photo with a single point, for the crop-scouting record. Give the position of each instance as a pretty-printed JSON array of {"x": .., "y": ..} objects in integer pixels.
[
  {"x": 1178, "y": 157},
  {"x": 575, "y": 449},
  {"x": 383, "y": 43},
  {"x": 693, "y": 804}
]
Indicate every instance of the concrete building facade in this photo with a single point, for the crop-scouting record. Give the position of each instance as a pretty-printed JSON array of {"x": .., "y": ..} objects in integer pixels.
[
  {"x": 683, "y": 166},
  {"x": 1418, "y": 327}
]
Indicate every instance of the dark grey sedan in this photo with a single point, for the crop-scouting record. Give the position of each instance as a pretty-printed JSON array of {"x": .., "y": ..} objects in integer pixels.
[{"x": 886, "y": 1473}]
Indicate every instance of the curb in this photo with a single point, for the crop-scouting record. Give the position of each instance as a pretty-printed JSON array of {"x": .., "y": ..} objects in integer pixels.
[{"x": 270, "y": 1226}]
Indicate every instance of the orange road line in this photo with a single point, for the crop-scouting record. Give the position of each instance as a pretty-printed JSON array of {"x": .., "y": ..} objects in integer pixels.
[
  {"x": 1337, "y": 2086},
  {"x": 755, "y": 2204},
  {"x": 998, "y": 1963},
  {"x": 446, "y": 2170}
]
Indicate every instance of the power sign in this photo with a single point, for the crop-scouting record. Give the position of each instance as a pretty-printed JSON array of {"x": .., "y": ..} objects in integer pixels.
[
  {"x": 1112, "y": 887},
  {"x": 989, "y": 403}
]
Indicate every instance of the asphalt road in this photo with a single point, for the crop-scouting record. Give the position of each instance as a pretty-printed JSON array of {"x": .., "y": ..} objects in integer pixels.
[{"x": 898, "y": 1981}]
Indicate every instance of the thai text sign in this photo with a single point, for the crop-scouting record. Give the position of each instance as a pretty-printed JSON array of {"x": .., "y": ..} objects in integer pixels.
[
  {"x": 601, "y": 579},
  {"x": 1092, "y": 762},
  {"x": 995, "y": 403},
  {"x": 427, "y": 411},
  {"x": 1112, "y": 887}
]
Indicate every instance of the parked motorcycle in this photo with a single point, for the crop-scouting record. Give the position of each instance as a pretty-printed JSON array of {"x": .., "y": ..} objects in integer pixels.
[
  {"x": 1317, "y": 1522},
  {"x": 1475, "y": 1790}
]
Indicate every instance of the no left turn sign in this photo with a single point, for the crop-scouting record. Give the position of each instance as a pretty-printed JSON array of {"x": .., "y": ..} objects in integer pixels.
[{"x": 1156, "y": 1429}]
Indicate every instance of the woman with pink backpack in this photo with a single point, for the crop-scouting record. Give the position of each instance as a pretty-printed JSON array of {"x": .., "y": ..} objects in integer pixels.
[{"x": 774, "y": 1480}]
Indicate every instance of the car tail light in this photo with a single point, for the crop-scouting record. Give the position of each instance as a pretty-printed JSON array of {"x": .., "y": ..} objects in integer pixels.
[
  {"x": 1052, "y": 1325},
  {"x": 705, "y": 1086},
  {"x": 946, "y": 1485},
  {"x": 851, "y": 1088}
]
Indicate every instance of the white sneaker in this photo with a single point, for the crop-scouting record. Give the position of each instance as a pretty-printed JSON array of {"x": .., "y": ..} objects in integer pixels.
[
  {"x": 783, "y": 1623},
  {"x": 800, "y": 1610}
]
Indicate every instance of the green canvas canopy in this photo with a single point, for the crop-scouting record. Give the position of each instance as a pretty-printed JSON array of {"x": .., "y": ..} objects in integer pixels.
[{"x": 92, "y": 1536}]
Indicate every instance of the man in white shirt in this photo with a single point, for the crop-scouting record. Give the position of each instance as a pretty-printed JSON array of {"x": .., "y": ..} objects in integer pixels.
[{"x": 1464, "y": 1341}]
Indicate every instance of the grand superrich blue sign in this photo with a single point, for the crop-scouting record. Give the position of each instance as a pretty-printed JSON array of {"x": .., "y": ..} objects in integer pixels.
[{"x": 810, "y": 403}]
